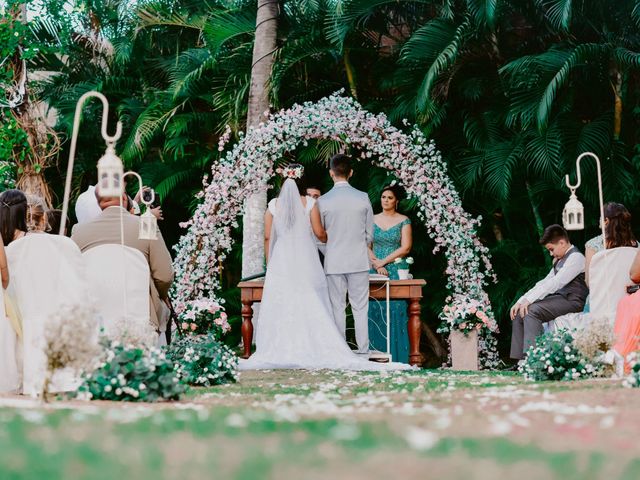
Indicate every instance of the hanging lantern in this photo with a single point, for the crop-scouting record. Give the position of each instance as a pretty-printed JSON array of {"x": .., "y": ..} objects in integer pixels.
[
  {"x": 110, "y": 173},
  {"x": 148, "y": 221},
  {"x": 148, "y": 226},
  {"x": 573, "y": 213}
]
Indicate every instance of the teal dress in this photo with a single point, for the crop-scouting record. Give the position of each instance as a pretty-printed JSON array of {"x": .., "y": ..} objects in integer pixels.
[{"x": 385, "y": 242}]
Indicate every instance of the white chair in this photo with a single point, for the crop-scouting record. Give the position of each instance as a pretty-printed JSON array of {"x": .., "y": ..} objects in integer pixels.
[
  {"x": 46, "y": 272},
  {"x": 118, "y": 278},
  {"x": 608, "y": 277}
]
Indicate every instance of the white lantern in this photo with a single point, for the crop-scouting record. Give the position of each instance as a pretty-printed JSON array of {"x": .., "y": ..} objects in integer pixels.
[
  {"x": 573, "y": 213},
  {"x": 110, "y": 173},
  {"x": 148, "y": 226}
]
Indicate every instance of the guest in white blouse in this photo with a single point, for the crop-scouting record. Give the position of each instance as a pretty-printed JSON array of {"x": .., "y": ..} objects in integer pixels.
[{"x": 562, "y": 291}]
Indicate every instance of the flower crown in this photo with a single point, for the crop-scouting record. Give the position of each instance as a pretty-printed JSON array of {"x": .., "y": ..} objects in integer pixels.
[{"x": 294, "y": 171}]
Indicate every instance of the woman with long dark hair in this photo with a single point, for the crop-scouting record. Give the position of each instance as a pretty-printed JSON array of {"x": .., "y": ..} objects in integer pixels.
[
  {"x": 617, "y": 228},
  {"x": 392, "y": 240},
  {"x": 13, "y": 215}
]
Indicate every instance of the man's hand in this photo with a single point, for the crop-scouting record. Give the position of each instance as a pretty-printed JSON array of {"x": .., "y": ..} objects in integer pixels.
[
  {"x": 521, "y": 308},
  {"x": 513, "y": 311},
  {"x": 157, "y": 212}
]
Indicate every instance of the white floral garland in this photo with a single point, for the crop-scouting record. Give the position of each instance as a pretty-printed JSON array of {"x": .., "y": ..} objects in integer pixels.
[{"x": 248, "y": 166}]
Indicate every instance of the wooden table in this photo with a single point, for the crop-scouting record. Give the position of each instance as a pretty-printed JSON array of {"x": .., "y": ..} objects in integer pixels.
[{"x": 410, "y": 290}]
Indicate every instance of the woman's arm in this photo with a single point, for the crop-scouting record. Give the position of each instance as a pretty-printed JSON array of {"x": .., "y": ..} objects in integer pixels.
[
  {"x": 268, "y": 220},
  {"x": 588, "y": 255},
  {"x": 634, "y": 272},
  {"x": 4, "y": 268},
  {"x": 316, "y": 224},
  {"x": 406, "y": 242}
]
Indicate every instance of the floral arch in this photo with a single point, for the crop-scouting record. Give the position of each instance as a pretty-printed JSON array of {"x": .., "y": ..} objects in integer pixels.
[{"x": 413, "y": 159}]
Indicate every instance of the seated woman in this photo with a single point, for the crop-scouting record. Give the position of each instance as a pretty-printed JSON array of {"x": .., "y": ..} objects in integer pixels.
[
  {"x": 617, "y": 226},
  {"x": 47, "y": 266},
  {"x": 627, "y": 326},
  {"x": 392, "y": 239}
]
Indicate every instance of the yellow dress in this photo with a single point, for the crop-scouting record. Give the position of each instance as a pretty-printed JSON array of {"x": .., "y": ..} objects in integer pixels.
[{"x": 13, "y": 314}]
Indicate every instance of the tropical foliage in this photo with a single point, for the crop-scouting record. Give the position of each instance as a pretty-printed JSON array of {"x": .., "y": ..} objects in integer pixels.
[{"x": 510, "y": 90}]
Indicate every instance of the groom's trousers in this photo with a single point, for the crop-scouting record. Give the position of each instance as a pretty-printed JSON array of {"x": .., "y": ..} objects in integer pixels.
[{"x": 357, "y": 286}]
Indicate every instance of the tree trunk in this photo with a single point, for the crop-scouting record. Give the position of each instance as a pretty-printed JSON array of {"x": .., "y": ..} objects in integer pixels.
[
  {"x": 617, "y": 91},
  {"x": 43, "y": 142},
  {"x": 263, "y": 48},
  {"x": 539, "y": 224},
  {"x": 351, "y": 75}
]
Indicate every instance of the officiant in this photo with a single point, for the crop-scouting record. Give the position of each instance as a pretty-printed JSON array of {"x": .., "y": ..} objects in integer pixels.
[{"x": 392, "y": 239}]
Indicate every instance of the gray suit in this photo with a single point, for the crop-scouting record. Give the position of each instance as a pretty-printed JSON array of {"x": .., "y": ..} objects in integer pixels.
[{"x": 347, "y": 217}]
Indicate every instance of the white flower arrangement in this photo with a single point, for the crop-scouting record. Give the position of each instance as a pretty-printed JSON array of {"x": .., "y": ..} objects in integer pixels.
[
  {"x": 203, "y": 361},
  {"x": 249, "y": 164},
  {"x": 556, "y": 357},
  {"x": 70, "y": 341},
  {"x": 405, "y": 260},
  {"x": 126, "y": 372},
  {"x": 633, "y": 379}
]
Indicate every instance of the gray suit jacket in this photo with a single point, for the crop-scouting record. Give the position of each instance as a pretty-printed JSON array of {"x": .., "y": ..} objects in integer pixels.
[
  {"x": 348, "y": 218},
  {"x": 105, "y": 229}
]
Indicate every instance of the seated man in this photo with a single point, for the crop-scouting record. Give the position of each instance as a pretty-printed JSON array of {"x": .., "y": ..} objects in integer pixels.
[
  {"x": 562, "y": 291},
  {"x": 105, "y": 229}
]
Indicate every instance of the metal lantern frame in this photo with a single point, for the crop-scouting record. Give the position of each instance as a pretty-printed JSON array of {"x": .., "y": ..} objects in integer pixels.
[
  {"x": 574, "y": 205},
  {"x": 148, "y": 222},
  {"x": 110, "y": 141}
]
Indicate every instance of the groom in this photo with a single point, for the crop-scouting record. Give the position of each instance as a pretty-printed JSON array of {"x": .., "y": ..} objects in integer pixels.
[{"x": 348, "y": 219}]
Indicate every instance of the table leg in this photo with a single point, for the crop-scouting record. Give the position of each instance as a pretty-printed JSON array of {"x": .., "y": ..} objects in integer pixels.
[
  {"x": 247, "y": 327},
  {"x": 414, "y": 327}
]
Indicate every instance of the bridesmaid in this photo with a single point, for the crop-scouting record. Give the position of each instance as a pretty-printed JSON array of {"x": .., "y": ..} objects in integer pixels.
[{"x": 392, "y": 238}]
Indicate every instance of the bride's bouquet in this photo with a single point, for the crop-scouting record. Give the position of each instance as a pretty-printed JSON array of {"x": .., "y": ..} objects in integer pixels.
[{"x": 203, "y": 316}]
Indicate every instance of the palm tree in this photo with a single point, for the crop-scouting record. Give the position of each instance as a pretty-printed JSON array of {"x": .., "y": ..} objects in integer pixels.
[{"x": 264, "y": 47}]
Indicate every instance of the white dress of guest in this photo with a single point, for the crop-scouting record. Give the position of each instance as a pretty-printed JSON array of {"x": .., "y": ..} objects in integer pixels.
[
  {"x": 47, "y": 272},
  {"x": 297, "y": 329},
  {"x": 10, "y": 351}
]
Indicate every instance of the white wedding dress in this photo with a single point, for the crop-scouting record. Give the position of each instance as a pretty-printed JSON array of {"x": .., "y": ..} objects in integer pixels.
[{"x": 296, "y": 327}]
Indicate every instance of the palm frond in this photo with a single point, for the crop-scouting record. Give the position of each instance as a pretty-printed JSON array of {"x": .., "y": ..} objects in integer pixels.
[
  {"x": 222, "y": 27},
  {"x": 159, "y": 15},
  {"x": 350, "y": 15},
  {"x": 484, "y": 12},
  {"x": 442, "y": 62},
  {"x": 581, "y": 55},
  {"x": 557, "y": 12},
  {"x": 626, "y": 58},
  {"x": 170, "y": 183}
]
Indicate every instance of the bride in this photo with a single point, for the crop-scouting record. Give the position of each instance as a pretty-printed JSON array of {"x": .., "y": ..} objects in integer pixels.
[{"x": 296, "y": 327}]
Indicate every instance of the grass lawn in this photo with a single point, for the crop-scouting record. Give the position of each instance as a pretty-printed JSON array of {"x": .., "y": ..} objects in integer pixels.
[{"x": 312, "y": 425}]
